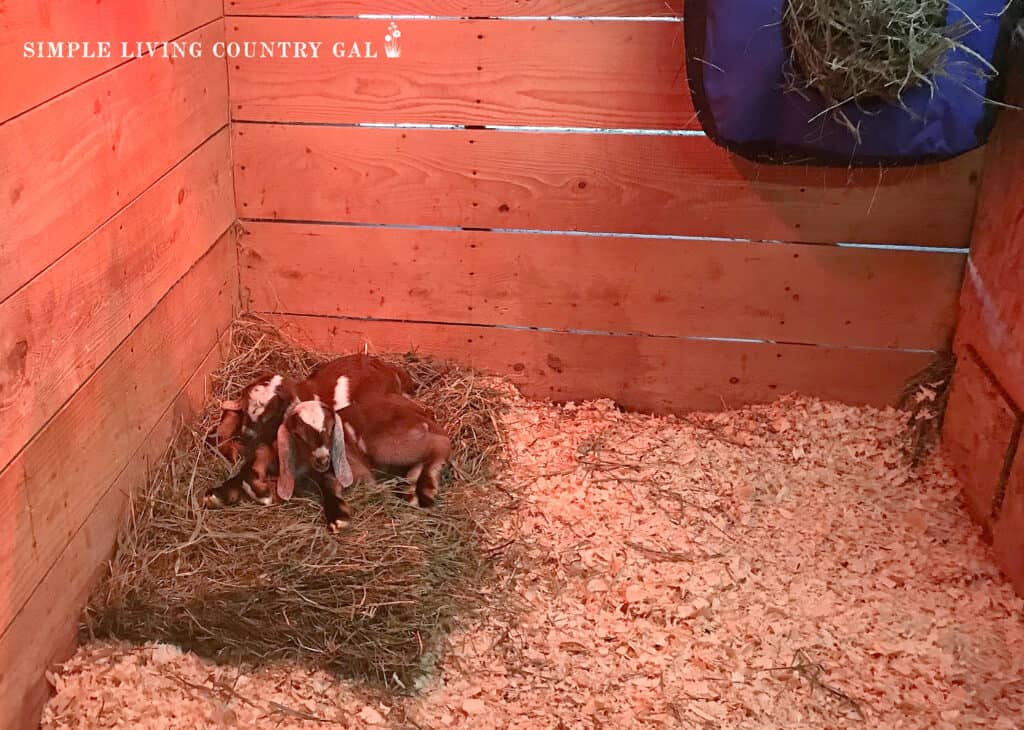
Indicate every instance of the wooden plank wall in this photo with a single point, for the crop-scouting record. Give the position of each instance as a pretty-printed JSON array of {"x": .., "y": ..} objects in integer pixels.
[
  {"x": 461, "y": 198},
  {"x": 985, "y": 417},
  {"x": 118, "y": 279}
]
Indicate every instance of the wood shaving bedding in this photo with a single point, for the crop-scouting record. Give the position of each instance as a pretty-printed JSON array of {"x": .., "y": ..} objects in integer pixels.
[{"x": 779, "y": 566}]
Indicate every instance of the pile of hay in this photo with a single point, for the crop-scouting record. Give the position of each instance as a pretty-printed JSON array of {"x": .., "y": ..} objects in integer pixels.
[
  {"x": 872, "y": 50},
  {"x": 257, "y": 585}
]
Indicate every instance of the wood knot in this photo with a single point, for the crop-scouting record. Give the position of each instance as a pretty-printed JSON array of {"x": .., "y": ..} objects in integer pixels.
[{"x": 15, "y": 360}]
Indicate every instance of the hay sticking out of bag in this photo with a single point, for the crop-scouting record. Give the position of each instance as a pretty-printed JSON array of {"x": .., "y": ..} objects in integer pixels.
[
  {"x": 256, "y": 585},
  {"x": 872, "y": 50}
]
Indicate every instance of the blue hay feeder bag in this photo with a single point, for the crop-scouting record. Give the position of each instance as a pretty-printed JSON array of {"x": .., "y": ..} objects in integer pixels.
[{"x": 736, "y": 61}]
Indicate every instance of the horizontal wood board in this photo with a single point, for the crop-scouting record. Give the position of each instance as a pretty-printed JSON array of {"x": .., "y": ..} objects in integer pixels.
[
  {"x": 28, "y": 81},
  {"x": 648, "y": 374},
  {"x": 56, "y": 330},
  {"x": 781, "y": 292},
  {"x": 482, "y": 72},
  {"x": 67, "y": 166},
  {"x": 588, "y": 182}
]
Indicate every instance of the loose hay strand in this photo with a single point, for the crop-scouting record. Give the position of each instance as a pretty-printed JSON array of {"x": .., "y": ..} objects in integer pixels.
[
  {"x": 923, "y": 399},
  {"x": 256, "y": 585}
]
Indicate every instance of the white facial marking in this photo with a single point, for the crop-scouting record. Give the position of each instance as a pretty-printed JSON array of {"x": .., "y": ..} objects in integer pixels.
[
  {"x": 312, "y": 413},
  {"x": 341, "y": 394},
  {"x": 266, "y": 501},
  {"x": 261, "y": 395},
  {"x": 321, "y": 452}
]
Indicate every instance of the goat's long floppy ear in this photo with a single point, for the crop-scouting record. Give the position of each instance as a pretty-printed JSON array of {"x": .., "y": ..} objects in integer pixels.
[
  {"x": 286, "y": 462},
  {"x": 339, "y": 460},
  {"x": 231, "y": 405}
]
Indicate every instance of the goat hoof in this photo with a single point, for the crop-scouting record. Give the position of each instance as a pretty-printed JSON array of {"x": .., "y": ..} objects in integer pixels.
[
  {"x": 212, "y": 501},
  {"x": 338, "y": 525},
  {"x": 425, "y": 499}
]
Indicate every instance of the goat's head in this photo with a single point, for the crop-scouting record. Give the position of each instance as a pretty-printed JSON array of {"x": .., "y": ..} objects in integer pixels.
[{"x": 310, "y": 438}]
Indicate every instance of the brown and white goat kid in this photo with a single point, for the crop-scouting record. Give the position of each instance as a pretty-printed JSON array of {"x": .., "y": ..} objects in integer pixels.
[
  {"x": 394, "y": 433},
  {"x": 248, "y": 429},
  {"x": 384, "y": 428},
  {"x": 256, "y": 413},
  {"x": 311, "y": 446}
]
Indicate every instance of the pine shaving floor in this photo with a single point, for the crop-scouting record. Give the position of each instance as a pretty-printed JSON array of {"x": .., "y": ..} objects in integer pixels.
[{"x": 773, "y": 567}]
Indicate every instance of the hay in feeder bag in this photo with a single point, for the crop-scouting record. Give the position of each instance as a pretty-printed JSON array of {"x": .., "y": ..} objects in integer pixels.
[
  {"x": 865, "y": 82},
  {"x": 255, "y": 585},
  {"x": 874, "y": 49}
]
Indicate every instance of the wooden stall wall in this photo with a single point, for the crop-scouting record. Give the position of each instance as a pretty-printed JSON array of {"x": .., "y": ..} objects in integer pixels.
[
  {"x": 118, "y": 278},
  {"x": 535, "y": 196},
  {"x": 984, "y": 418}
]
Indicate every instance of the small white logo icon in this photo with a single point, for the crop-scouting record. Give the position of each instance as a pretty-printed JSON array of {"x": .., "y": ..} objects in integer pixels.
[{"x": 392, "y": 49}]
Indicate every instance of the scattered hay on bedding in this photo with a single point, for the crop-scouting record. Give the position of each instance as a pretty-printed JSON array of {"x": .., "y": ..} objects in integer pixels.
[
  {"x": 924, "y": 399},
  {"x": 874, "y": 50},
  {"x": 257, "y": 585}
]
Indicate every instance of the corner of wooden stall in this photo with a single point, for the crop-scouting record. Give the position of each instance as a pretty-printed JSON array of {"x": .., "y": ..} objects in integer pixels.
[
  {"x": 982, "y": 430},
  {"x": 115, "y": 307}
]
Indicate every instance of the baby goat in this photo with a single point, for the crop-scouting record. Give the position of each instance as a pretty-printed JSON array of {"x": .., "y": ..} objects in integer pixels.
[
  {"x": 255, "y": 415},
  {"x": 394, "y": 433},
  {"x": 311, "y": 445},
  {"x": 248, "y": 429},
  {"x": 384, "y": 429}
]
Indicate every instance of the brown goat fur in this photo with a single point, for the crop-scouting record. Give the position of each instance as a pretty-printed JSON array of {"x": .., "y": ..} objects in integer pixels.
[
  {"x": 393, "y": 433},
  {"x": 364, "y": 376}
]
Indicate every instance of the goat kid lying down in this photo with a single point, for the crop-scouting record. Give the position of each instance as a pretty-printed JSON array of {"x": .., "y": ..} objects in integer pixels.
[
  {"x": 254, "y": 416},
  {"x": 388, "y": 432},
  {"x": 311, "y": 447},
  {"x": 248, "y": 430}
]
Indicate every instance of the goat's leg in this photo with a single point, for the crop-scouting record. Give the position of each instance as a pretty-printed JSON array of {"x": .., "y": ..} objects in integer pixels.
[
  {"x": 336, "y": 509},
  {"x": 361, "y": 471},
  {"x": 228, "y": 494},
  {"x": 407, "y": 492},
  {"x": 429, "y": 472}
]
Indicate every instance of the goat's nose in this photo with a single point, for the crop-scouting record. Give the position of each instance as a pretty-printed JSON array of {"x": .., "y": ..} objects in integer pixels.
[{"x": 321, "y": 459}]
